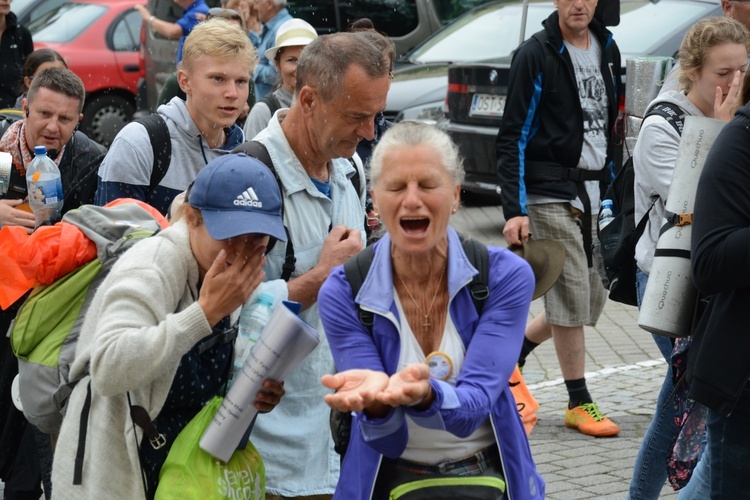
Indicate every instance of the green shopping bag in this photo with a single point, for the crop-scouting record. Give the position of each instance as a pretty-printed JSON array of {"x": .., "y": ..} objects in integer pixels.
[{"x": 190, "y": 472}]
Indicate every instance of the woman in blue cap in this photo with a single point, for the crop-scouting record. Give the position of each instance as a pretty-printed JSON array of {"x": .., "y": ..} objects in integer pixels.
[{"x": 156, "y": 332}]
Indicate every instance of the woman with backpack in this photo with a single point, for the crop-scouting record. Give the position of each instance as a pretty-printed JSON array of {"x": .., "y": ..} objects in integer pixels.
[
  {"x": 713, "y": 59},
  {"x": 159, "y": 334},
  {"x": 427, "y": 373}
]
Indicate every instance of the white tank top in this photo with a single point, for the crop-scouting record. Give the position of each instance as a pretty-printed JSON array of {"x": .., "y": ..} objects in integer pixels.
[{"x": 431, "y": 446}]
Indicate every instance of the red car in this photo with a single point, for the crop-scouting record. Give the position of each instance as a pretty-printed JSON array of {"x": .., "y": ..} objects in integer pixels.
[{"x": 99, "y": 40}]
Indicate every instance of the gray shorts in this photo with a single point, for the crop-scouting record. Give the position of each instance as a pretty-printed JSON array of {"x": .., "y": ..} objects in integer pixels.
[{"x": 578, "y": 297}]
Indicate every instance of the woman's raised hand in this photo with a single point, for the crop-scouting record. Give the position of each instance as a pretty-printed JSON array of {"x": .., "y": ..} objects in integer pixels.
[
  {"x": 232, "y": 278},
  {"x": 724, "y": 108}
]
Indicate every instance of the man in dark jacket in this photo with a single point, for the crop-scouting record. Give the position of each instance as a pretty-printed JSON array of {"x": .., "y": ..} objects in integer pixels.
[
  {"x": 718, "y": 367},
  {"x": 52, "y": 110},
  {"x": 554, "y": 160},
  {"x": 15, "y": 45}
]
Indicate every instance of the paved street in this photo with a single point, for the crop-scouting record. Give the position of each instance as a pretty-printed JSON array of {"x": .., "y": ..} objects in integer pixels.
[{"x": 624, "y": 374}]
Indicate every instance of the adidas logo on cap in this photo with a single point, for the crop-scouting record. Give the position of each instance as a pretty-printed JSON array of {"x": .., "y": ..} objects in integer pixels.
[{"x": 248, "y": 198}]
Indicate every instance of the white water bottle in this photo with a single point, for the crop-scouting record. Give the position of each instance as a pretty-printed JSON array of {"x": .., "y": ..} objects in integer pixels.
[
  {"x": 44, "y": 186},
  {"x": 606, "y": 215},
  {"x": 253, "y": 319}
]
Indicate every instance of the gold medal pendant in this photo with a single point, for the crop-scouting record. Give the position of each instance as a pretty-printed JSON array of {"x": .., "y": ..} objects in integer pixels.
[{"x": 440, "y": 364}]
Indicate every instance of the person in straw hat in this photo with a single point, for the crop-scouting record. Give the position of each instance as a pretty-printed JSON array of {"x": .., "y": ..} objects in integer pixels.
[{"x": 291, "y": 38}]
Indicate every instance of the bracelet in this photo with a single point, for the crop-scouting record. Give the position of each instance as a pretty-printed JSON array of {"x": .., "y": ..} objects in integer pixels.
[{"x": 151, "y": 20}]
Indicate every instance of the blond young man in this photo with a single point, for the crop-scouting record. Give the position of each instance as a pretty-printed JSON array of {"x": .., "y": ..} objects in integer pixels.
[{"x": 218, "y": 59}]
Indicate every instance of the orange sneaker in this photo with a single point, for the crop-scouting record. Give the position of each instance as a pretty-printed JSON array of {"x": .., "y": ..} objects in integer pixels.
[{"x": 588, "y": 420}]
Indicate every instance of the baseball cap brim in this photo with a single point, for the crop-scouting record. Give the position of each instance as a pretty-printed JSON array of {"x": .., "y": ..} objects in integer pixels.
[{"x": 225, "y": 224}]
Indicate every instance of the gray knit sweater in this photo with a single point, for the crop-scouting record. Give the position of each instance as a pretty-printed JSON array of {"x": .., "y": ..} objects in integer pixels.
[{"x": 143, "y": 319}]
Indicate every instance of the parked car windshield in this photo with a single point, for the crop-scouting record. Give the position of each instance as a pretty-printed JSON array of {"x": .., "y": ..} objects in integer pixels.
[
  {"x": 476, "y": 37},
  {"x": 65, "y": 23},
  {"x": 641, "y": 29},
  {"x": 20, "y": 5}
]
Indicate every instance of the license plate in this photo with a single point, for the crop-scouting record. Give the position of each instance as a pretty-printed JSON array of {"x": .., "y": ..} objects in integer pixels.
[{"x": 487, "y": 105}]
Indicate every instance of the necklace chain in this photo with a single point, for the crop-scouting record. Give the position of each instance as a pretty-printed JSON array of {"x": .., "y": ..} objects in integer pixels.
[{"x": 426, "y": 321}]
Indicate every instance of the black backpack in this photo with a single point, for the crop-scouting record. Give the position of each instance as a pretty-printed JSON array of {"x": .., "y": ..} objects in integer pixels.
[
  {"x": 161, "y": 144},
  {"x": 617, "y": 239},
  {"x": 356, "y": 269}
]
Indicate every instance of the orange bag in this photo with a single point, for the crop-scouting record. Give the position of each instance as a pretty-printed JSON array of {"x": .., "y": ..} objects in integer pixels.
[
  {"x": 42, "y": 257},
  {"x": 49, "y": 253},
  {"x": 526, "y": 403}
]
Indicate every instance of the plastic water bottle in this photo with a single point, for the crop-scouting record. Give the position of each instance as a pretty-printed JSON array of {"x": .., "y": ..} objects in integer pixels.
[
  {"x": 606, "y": 214},
  {"x": 253, "y": 319},
  {"x": 45, "y": 188}
]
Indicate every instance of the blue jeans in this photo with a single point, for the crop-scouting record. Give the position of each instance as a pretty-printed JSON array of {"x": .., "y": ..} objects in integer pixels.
[
  {"x": 699, "y": 486},
  {"x": 650, "y": 470},
  {"x": 729, "y": 440}
]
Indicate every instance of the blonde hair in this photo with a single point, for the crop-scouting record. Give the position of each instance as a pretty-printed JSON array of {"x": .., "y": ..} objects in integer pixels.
[
  {"x": 221, "y": 40},
  {"x": 702, "y": 37}
]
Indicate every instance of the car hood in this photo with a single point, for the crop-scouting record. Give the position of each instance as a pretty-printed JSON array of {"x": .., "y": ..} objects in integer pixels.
[{"x": 417, "y": 84}]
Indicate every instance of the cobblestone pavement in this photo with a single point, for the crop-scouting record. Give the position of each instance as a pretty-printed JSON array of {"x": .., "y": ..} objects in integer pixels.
[{"x": 624, "y": 372}]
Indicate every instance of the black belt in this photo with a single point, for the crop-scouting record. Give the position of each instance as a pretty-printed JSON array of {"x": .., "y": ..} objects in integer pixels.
[
  {"x": 550, "y": 171},
  {"x": 471, "y": 465}
]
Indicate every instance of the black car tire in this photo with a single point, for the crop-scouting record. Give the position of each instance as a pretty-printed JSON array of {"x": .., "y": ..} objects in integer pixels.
[{"x": 104, "y": 116}]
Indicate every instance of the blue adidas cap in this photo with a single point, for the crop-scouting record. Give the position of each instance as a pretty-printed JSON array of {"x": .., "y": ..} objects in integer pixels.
[{"x": 237, "y": 194}]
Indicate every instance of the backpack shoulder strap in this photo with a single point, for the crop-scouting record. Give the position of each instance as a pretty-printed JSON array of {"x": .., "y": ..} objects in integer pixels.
[
  {"x": 158, "y": 134},
  {"x": 479, "y": 257},
  {"x": 549, "y": 77},
  {"x": 356, "y": 269},
  {"x": 356, "y": 180},
  {"x": 272, "y": 102},
  {"x": 674, "y": 114},
  {"x": 260, "y": 152}
]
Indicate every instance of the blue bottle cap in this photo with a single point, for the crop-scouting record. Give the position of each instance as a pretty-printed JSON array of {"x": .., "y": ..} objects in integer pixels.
[{"x": 40, "y": 150}]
